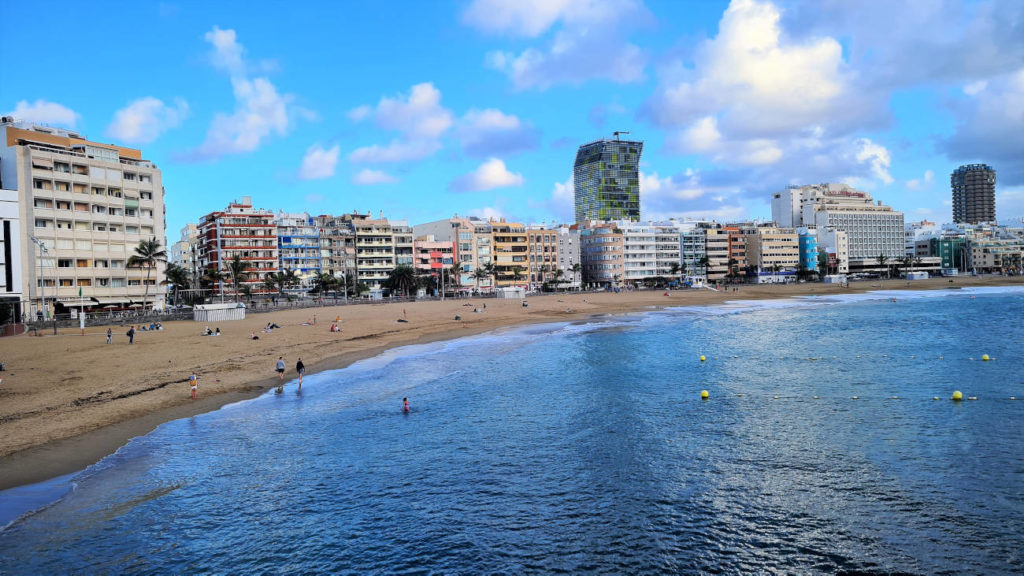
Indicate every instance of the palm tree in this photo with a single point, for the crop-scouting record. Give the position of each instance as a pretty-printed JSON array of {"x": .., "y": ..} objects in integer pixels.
[
  {"x": 882, "y": 261},
  {"x": 575, "y": 269},
  {"x": 703, "y": 262},
  {"x": 213, "y": 277},
  {"x": 455, "y": 275},
  {"x": 558, "y": 276},
  {"x": 401, "y": 279},
  {"x": 236, "y": 268},
  {"x": 517, "y": 273},
  {"x": 732, "y": 267},
  {"x": 478, "y": 275},
  {"x": 272, "y": 282},
  {"x": 147, "y": 255},
  {"x": 177, "y": 277},
  {"x": 823, "y": 263},
  {"x": 673, "y": 269},
  {"x": 492, "y": 273}
]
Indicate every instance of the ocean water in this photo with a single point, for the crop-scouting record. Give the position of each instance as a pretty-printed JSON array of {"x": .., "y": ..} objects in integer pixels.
[{"x": 585, "y": 448}]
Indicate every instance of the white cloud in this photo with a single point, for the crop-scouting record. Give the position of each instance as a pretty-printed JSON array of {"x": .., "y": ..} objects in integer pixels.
[
  {"x": 562, "y": 204},
  {"x": 367, "y": 177},
  {"x": 975, "y": 87},
  {"x": 420, "y": 119},
  {"x": 491, "y": 132},
  {"x": 589, "y": 41},
  {"x": 227, "y": 53},
  {"x": 924, "y": 182},
  {"x": 145, "y": 119},
  {"x": 877, "y": 157},
  {"x": 990, "y": 128},
  {"x": 358, "y": 113},
  {"x": 489, "y": 175},
  {"x": 260, "y": 110},
  {"x": 319, "y": 162},
  {"x": 487, "y": 213},
  {"x": 43, "y": 112}
]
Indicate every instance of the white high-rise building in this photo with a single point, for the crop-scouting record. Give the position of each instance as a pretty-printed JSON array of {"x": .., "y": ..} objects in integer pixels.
[
  {"x": 84, "y": 208},
  {"x": 872, "y": 229},
  {"x": 649, "y": 249}
]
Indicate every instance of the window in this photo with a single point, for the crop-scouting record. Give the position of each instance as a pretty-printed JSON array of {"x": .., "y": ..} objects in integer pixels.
[
  {"x": 99, "y": 191},
  {"x": 63, "y": 186},
  {"x": 62, "y": 167},
  {"x": 99, "y": 209},
  {"x": 148, "y": 179},
  {"x": 66, "y": 282},
  {"x": 130, "y": 176},
  {"x": 101, "y": 264},
  {"x": 83, "y": 245},
  {"x": 63, "y": 224},
  {"x": 66, "y": 244},
  {"x": 41, "y": 203},
  {"x": 103, "y": 282},
  {"x": 84, "y": 282},
  {"x": 81, "y": 263},
  {"x": 99, "y": 227},
  {"x": 118, "y": 264},
  {"x": 131, "y": 229},
  {"x": 79, "y": 169},
  {"x": 129, "y": 212},
  {"x": 64, "y": 263},
  {"x": 133, "y": 282},
  {"x": 146, "y": 195},
  {"x": 80, "y": 189},
  {"x": 42, "y": 184},
  {"x": 63, "y": 205},
  {"x": 117, "y": 282}
]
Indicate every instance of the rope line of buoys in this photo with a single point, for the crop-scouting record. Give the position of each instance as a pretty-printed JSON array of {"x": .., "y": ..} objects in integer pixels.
[{"x": 957, "y": 396}]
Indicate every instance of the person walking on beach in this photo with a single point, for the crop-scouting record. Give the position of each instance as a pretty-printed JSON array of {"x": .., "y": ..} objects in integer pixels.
[
  {"x": 193, "y": 382},
  {"x": 280, "y": 367},
  {"x": 131, "y": 334},
  {"x": 301, "y": 369},
  {"x": 110, "y": 335}
]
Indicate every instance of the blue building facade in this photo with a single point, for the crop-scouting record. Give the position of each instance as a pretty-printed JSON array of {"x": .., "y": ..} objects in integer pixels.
[{"x": 809, "y": 251}]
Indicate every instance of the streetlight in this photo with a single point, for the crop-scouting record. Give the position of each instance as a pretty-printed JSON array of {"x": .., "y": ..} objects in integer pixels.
[{"x": 42, "y": 282}]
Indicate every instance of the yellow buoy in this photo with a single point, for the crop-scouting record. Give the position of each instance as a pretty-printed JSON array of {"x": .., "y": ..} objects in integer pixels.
[
  {"x": 985, "y": 358},
  {"x": 704, "y": 394},
  {"x": 702, "y": 358},
  {"x": 957, "y": 396}
]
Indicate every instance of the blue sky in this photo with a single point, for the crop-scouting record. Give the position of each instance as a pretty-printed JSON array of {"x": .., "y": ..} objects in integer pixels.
[{"x": 425, "y": 109}]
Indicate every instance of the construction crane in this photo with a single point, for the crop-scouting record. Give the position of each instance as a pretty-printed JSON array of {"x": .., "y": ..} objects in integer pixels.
[{"x": 620, "y": 132}]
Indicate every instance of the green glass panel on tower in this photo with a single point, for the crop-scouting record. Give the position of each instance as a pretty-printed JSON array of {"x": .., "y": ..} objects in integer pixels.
[{"x": 605, "y": 178}]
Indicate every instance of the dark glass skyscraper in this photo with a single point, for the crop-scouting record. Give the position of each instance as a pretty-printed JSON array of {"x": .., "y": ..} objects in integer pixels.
[
  {"x": 607, "y": 184},
  {"x": 974, "y": 193}
]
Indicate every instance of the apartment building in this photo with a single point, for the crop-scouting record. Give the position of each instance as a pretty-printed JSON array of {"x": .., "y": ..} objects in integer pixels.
[
  {"x": 649, "y": 250},
  {"x": 692, "y": 240},
  {"x": 602, "y": 254},
  {"x": 568, "y": 240},
  {"x": 473, "y": 241},
  {"x": 403, "y": 236},
  {"x": 243, "y": 231},
  {"x": 374, "y": 249},
  {"x": 185, "y": 252},
  {"x": 431, "y": 255},
  {"x": 87, "y": 205},
  {"x": 974, "y": 193},
  {"x": 337, "y": 245},
  {"x": 834, "y": 243},
  {"x": 542, "y": 254},
  {"x": 606, "y": 182},
  {"x": 511, "y": 264},
  {"x": 716, "y": 249},
  {"x": 774, "y": 252},
  {"x": 298, "y": 246},
  {"x": 916, "y": 232}
]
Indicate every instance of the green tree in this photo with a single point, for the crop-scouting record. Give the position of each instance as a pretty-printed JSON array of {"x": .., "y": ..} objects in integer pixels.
[
  {"x": 177, "y": 277},
  {"x": 401, "y": 279},
  {"x": 236, "y": 269},
  {"x": 478, "y": 275},
  {"x": 148, "y": 254},
  {"x": 517, "y": 273},
  {"x": 823, "y": 263},
  {"x": 575, "y": 269},
  {"x": 883, "y": 260}
]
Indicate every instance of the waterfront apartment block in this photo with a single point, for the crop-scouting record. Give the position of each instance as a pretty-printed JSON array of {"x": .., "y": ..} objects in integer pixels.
[
  {"x": 602, "y": 254},
  {"x": 569, "y": 261},
  {"x": 808, "y": 249},
  {"x": 836, "y": 244},
  {"x": 474, "y": 247},
  {"x": 692, "y": 250},
  {"x": 431, "y": 255},
  {"x": 375, "y": 249},
  {"x": 771, "y": 250},
  {"x": 511, "y": 248},
  {"x": 83, "y": 208},
  {"x": 716, "y": 249},
  {"x": 402, "y": 234},
  {"x": 606, "y": 180},
  {"x": 974, "y": 193},
  {"x": 337, "y": 246},
  {"x": 542, "y": 251},
  {"x": 239, "y": 230},
  {"x": 298, "y": 246},
  {"x": 649, "y": 250}
]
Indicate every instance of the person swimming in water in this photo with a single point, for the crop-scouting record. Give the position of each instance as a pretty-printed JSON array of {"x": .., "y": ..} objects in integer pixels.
[{"x": 405, "y": 405}]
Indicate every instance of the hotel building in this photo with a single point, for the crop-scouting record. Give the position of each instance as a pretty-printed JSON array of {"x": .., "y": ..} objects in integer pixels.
[
  {"x": 298, "y": 246},
  {"x": 83, "y": 208},
  {"x": 511, "y": 265},
  {"x": 772, "y": 250},
  {"x": 606, "y": 180},
  {"x": 542, "y": 251},
  {"x": 474, "y": 247}
]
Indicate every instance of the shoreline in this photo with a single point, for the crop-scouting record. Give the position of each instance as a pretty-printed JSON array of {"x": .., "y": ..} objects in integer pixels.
[{"x": 57, "y": 429}]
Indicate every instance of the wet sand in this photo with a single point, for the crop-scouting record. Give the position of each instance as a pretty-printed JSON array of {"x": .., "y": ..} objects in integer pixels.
[{"x": 67, "y": 401}]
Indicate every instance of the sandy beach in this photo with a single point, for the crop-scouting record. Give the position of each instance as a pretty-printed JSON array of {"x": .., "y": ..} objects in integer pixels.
[{"x": 69, "y": 400}]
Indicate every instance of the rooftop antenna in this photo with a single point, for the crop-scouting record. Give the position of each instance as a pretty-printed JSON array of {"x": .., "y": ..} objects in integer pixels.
[{"x": 620, "y": 132}]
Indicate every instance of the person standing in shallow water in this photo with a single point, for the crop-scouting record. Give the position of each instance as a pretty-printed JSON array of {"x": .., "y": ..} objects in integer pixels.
[
  {"x": 301, "y": 369},
  {"x": 405, "y": 405},
  {"x": 193, "y": 381}
]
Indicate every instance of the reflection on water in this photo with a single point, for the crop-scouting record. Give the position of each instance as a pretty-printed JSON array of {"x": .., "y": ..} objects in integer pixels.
[{"x": 581, "y": 448}]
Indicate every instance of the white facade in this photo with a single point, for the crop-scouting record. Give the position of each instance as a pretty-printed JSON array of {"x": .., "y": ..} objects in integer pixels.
[
  {"x": 915, "y": 232},
  {"x": 786, "y": 207},
  {"x": 89, "y": 205},
  {"x": 649, "y": 250},
  {"x": 568, "y": 256},
  {"x": 10, "y": 254},
  {"x": 872, "y": 229},
  {"x": 835, "y": 242}
]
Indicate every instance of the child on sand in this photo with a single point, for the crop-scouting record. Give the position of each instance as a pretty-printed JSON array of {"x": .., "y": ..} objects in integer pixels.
[{"x": 193, "y": 382}]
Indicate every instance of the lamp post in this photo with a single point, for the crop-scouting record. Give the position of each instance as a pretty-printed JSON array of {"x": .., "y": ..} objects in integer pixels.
[{"x": 42, "y": 282}]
